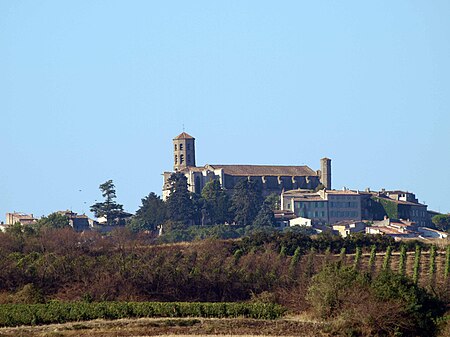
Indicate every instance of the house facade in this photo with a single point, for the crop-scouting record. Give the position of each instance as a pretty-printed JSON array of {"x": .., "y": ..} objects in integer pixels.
[
  {"x": 395, "y": 205},
  {"x": 324, "y": 206}
]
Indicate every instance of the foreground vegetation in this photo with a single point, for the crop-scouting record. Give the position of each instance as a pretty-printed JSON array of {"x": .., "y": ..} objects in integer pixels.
[{"x": 42, "y": 270}]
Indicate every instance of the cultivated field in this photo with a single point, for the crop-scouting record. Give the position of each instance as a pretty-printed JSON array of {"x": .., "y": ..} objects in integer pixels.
[{"x": 172, "y": 327}]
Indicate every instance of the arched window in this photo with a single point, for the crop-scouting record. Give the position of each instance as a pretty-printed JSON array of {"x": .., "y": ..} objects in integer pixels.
[
  {"x": 176, "y": 159},
  {"x": 181, "y": 159},
  {"x": 181, "y": 147},
  {"x": 175, "y": 147}
]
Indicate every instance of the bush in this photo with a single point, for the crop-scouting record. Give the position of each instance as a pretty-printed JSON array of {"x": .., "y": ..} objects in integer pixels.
[
  {"x": 28, "y": 294},
  {"x": 386, "y": 305},
  {"x": 329, "y": 289}
]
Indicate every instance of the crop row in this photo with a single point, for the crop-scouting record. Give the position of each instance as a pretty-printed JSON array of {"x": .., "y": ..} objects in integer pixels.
[{"x": 61, "y": 312}]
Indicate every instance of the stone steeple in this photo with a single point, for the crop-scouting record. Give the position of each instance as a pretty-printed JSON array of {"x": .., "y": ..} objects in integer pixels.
[{"x": 183, "y": 151}]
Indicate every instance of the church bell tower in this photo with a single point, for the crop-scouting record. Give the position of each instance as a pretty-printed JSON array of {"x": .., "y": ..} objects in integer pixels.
[{"x": 183, "y": 151}]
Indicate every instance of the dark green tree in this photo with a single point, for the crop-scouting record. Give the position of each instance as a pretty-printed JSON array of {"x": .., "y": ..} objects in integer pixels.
[
  {"x": 246, "y": 202},
  {"x": 442, "y": 222},
  {"x": 217, "y": 202},
  {"x": 110, "y": 209},
  {"x": 179, "y": 204},
  {"x": 200, "y": 213},
  {"x": 150, "y": 214},
  {"x": 265, "y": 216},
  {"x": 53, "y": 220},
  {"x": 274, "y": 201}
]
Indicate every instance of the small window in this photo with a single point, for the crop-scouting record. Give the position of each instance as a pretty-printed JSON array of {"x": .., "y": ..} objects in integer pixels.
[
  {"x": 176, "y": 159},
  {"x": 181, "y": 147},
  {"x": 175, "y": 147},
  {"x": 181, "y": 158}
]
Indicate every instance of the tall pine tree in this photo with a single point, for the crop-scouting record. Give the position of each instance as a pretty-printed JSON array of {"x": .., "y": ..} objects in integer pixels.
[
  {"x": 179, "y": 204},
  {"x": 217, "y": 202},
  {"x": 246, "y": 202},
  {"x": 110, "y": 209}
]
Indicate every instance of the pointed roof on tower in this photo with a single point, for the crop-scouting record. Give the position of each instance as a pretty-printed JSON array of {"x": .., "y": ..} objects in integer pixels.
[{"x": 184, "y": 135}]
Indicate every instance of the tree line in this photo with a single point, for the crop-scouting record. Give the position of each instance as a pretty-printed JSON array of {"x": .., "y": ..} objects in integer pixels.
[{"x": 245, "y": 206}]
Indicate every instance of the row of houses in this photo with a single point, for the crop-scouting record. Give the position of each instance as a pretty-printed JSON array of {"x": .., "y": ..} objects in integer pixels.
[
  {"x": 79, "y": 222},
  {"x": 332, "y": 206},
  {"x": 394, "y": 213}
]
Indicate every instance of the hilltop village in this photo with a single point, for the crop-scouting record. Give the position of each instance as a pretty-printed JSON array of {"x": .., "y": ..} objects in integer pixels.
[
  {"x": 263, "y": 241},
  {"x": 272, "y": 195}
]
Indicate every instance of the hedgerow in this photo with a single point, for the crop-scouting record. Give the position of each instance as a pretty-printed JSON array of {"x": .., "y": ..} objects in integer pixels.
[{"x": 61, "y": 312}]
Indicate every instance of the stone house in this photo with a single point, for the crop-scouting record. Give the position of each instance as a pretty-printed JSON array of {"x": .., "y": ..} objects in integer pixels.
[{"x": 324, "y": 206}]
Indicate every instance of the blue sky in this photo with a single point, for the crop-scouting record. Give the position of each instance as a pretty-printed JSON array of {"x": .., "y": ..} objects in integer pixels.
[{"x": 96, "y": 90}]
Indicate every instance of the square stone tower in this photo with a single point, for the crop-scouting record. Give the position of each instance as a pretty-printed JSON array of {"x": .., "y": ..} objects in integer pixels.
[
  {"x": 183, "y": 151},
  {"x": 325, "y": 172}
]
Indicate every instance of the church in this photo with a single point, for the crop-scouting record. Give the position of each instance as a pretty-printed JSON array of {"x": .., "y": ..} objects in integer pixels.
[{"x": 270, "y": 178}]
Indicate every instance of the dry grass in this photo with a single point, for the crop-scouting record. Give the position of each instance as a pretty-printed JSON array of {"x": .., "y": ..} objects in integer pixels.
[{"x": 172, "y": 327}]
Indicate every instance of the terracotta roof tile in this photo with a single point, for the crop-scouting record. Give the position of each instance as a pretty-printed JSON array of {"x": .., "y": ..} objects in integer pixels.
[
  {"x": 184, "y": 135},
  {"x": 346, "y": 192},
  {"x": 266, "y": 170}
]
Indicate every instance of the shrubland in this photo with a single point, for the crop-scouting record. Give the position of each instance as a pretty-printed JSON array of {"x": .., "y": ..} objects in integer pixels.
[{"x": 363, "y": 284}]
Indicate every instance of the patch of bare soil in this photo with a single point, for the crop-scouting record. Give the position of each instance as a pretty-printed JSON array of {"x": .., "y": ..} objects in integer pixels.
[{"x": 172, "y": 327}]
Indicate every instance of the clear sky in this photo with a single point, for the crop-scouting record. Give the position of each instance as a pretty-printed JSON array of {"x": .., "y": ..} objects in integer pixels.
[{"x": 96, "y": 90}]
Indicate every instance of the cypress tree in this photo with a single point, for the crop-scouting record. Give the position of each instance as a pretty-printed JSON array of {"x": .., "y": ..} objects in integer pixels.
[
  {"x": 402, "y": 261},
  {"x": 447, "y": 262},
  {"x": 294, "y": 261},
  {"x": 373, "y": 256},
  {"x": 432, "y": 267},
  {"x": 309, "y": 271},
  {"x": 387, "y": 258},
  {"x": 417, "y": 264},
  {"x": 342, "y": 255},
  {"x": 357, "y": 258}
]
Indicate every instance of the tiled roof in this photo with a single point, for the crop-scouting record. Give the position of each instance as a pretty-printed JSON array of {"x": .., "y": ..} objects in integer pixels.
[
  {"x": 300, "y": 192},
  {"x": 346, "y": 192},
  {"x": 401, "y": 201},
  {"x": 266, "y": 170},
  {"x": 191, "y": 168},
  {"x": 388, "y": 230},
  {"x": 346, "y": 222},
  {"x": 184, "y": 135},
  {"x": 280, "y": 214},
  {"x": 308, "y": 198}
]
